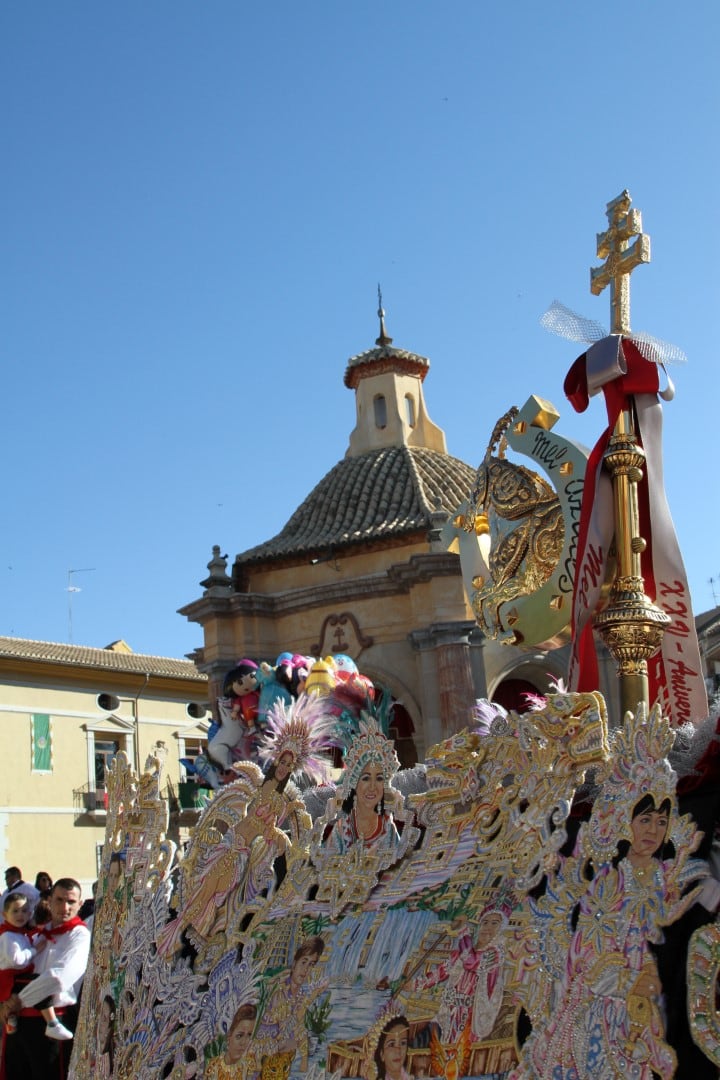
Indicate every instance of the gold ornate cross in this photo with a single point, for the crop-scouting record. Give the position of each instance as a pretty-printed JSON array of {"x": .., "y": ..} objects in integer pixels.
[{"x": 621, "y": 258}]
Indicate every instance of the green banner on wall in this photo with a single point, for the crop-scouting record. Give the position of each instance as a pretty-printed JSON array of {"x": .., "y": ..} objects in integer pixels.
[{"x": 41, "y": 743}]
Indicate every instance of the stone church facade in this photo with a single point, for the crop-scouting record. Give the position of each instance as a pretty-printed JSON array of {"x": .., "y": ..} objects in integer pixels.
[{"x": 361, "y": 568}]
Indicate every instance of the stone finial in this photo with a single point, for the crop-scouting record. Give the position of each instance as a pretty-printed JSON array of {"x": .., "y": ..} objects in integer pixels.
[
  {"x": 218, "y": 577},
  {"x": 438, "y": 518}
]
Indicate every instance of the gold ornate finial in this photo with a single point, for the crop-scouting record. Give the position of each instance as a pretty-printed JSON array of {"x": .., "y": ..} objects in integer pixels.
[
  {"x": 384, "y": 338},
  {"x": 621, "y": 258}
]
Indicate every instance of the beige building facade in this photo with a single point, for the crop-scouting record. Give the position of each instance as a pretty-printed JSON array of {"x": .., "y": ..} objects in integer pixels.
[{"x": 58, "y": 742}]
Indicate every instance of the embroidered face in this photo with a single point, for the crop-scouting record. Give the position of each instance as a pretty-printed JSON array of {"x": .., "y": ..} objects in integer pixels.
[
  {"x": 106, "y": 1019},
  {"x": 266, "y": 812},
  {"x": 368, "y": 749},
  {"x": 284, "y": 765},
  {"x": 489, "y": 928},
  {"x": 18, "y": 913},
  {"x": 115, "y": 876},
  {"x": 393, "y": 1049},
  {"x": 301, "y": 969},
  {"x": 238, "y": 1040},
  {"x": 648, "y": 829},
  {"x": 370, "y": 787}
]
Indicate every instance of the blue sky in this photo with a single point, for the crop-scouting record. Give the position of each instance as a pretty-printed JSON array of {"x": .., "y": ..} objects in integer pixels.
[{"x": 199, "y": 200}]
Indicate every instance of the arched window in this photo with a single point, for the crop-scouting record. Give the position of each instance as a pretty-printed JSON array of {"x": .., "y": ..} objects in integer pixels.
[
  {"x": 380, "y": 411},
  {"x": 410, "y": 409}
]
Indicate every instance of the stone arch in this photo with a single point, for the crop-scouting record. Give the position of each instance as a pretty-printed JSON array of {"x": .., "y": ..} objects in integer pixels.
[
  {"x": 408, "y": 715},
  {"x": 528, "y": 674}
]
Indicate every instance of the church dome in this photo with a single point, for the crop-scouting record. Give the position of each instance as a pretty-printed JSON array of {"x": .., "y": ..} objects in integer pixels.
[{"x": 382, "y": 495}]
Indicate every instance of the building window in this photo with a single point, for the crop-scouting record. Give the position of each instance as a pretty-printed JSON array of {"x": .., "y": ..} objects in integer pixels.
[
  {"x": 105, "y": 751},
  {"x": 191, "y": 748},
  {"x": 105, "y": 738},
  {"x": 380, "y": 406},
  {"x": 410, "y": 409},
  {"x": 191, "y": 742}
]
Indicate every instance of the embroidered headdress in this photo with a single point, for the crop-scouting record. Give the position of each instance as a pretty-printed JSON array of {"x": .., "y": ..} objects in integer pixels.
[
  {"x": 303, "y": 728},
  {"x": 637, "y": 768},
  {"x": 368, "y": 747},
  {"x": 391, "y": 1012}
]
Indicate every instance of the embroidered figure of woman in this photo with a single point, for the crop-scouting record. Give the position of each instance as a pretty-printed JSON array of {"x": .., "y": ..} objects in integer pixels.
[
  {"x": 602, "y": 1020},
  {"x": 231, "y": 865},
  {"x": 239, "y": 1061},
  {"x": 258, "y": 812},
  {"x": 105, "y": 1038},
  {"x": 390, "y": 1055},
  {"x": 281, "y": 1032},
  {"x": 364, "y": 817},
  {"x": 358, "y": 837},
  {"x": 111, "y": 915},
  {"x": 366, "y": 785}
]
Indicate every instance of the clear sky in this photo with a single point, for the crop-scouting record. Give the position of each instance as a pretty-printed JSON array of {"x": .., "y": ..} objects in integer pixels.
[{"x": 199, "y": 200}]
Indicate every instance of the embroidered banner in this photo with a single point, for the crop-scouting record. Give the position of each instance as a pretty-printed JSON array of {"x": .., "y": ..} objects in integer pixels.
[{"x": 41, "y": 737}]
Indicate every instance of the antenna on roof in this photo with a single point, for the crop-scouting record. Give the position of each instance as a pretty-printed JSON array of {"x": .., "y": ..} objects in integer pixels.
[{"x": 73, "y": 589}]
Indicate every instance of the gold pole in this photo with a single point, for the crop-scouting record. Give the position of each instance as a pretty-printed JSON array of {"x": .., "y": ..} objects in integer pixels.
[{"x": 630, "y": 624}]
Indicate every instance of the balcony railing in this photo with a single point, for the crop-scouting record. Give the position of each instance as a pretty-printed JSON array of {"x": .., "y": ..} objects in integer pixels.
[
  {"x": 90, "y": 800},
  {"x": 185, "y": 802}
]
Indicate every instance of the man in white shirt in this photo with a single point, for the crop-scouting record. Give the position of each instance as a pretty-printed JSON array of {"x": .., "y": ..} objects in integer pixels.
[
  {"x": 59, "y": 969},
  {"x": 15, "y": 883}
]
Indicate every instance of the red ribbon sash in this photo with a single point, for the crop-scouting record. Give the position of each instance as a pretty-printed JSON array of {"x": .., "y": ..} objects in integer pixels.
[{"x": 616, "y": 366}]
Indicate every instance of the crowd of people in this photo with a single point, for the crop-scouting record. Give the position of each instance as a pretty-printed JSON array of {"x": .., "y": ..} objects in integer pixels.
[{"x": 44, "y": 949}]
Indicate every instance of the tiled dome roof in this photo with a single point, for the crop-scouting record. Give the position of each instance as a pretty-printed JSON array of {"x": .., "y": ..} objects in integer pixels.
[{"x": 385, "y": 493}]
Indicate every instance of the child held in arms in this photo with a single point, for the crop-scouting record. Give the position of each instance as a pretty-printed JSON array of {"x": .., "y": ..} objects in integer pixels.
[{"x": 19, "y": 945}]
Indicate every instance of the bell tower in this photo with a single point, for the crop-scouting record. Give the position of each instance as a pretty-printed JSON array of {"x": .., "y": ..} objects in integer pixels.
[{"x": 389, "y": 398}]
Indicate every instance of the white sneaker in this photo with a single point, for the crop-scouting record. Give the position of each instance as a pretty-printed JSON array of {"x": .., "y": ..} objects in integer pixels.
[{"x": 58, "y": 1031}]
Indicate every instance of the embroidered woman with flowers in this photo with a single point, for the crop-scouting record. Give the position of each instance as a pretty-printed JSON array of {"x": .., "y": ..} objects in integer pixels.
[
  {"x": 602, "y": 1018},
  {"x": 370, "y": 765},
  {"x": 261, "y": 815},
  {"x": 358, "y": 837}
]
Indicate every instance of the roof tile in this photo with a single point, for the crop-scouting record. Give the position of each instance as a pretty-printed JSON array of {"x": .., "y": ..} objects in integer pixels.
[
  {"x": 392, "y": 491},
  {"x": 85, "y": 656}
]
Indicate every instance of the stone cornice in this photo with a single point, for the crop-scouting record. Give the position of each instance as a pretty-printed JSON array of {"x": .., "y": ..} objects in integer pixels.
[
  {"x": 447, "y": 633},
  {"x": 398, "y": 579}
]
